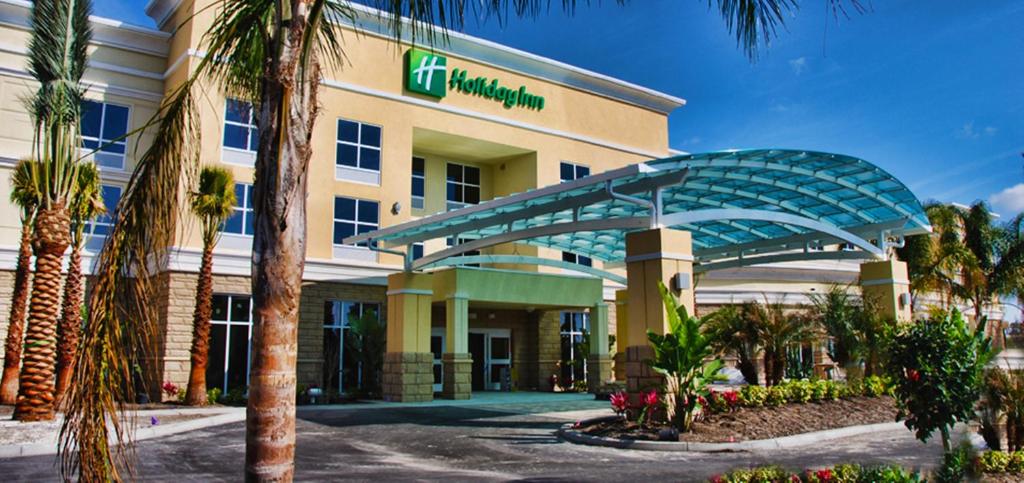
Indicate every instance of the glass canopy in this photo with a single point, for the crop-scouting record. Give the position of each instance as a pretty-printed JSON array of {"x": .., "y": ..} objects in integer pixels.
[{"x": 742, "y": 207}]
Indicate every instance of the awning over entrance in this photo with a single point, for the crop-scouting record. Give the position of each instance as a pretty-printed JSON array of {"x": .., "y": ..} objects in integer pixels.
[{"x": 741, "y": 207}]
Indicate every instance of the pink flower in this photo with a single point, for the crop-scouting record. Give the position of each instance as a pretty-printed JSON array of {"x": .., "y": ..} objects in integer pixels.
[
  {"x": 732, "y": 398},
  {"x": 650, "y": 399},
  {"x": 913, "y": 375},
  {"x": 170, "y": 389},
  {"x": 620, "y": 402},
  {"x": 824, "y": 475}
]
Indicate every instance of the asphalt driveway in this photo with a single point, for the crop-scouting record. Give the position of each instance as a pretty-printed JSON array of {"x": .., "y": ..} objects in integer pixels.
[{"x": 500, "y": 438}]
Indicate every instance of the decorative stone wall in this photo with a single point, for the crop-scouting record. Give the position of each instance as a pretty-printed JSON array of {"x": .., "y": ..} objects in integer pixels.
[
  {"x": 458, "y": 376},
  {"x": 408, "y": 377}
]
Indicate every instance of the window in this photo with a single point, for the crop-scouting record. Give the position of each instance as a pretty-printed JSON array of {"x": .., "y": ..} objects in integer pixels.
[
  {"x": 358, "y": 145},
  {"x": 419, "y": 181},
  {"x": 240, "y": 221},
  {"x": 102, "y": 225},
  {"x": 847, "y": 247},
  {"x": 230, "y": 343},
  {"x": 240, "y": 126},
  {"x": 578, "y": 259},
  {"x": 574, "y": 329},
  {"x": 352, "y": 216},
  {"x": 463, "y": 186},
  {"x": 471, "y": 253},
  {"x": 103, "y": 129},
  {"x": 417, "y": 250},
  {"x": 570, "y": 172},
  {"x": 341, "y": 370}
]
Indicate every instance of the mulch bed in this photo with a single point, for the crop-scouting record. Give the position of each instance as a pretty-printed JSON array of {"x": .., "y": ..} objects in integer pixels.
[{"x": 764, "y": 422}]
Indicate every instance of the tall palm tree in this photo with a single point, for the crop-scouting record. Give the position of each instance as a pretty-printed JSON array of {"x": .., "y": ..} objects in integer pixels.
[
  {"x": 276, "y": 49},
  {"x": 57, "y": 58},
  {"x": 212, "y": 203},
  {"x": 86, "y": 204},
  {"x": 26, "y": 198}
]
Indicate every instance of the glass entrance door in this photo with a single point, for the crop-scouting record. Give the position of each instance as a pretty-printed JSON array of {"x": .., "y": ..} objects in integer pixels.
[
  {"x": 492, "y": 358},
  {"x": 437, "y": 347}
]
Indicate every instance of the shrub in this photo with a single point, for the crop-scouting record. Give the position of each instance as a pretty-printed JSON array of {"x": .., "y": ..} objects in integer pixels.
[
  {"x": 937, "y": 366},
  {"x": 753, "y": 396},
  {"x": 848, "y": 473},
  {"x": 212, "y": 395},
  {"x": 1016, "y": 463},
  {"x": 994, "y": 462},
  {"x": 876, "y": 386},
  {"x": 854, "y": 387},
  {"x": 888, "y": 474},
  {"x": 819, "y": 390},
  {"x": 799, "y": 391},
  {"x": 777, "y": 395},
  {"x": 956, "y": 465}
]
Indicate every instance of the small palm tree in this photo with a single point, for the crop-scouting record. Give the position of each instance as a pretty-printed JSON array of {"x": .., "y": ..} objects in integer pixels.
[
  {"x": 26, "y": 198},
  {"x": 734, "y": 333},
  {"x": 778, "y": 331},
  {"x": 57, "y": 55},
  {"x": 86, "y": 204},
  {"x": 212, "y": 203}
]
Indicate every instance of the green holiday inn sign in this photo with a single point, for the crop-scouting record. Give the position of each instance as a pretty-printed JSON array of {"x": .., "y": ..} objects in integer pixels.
[{"x": 427, "y": 73}]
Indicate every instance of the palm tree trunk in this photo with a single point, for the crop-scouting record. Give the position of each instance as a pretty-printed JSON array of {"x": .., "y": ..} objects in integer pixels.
[
  {"x": 70, "y": 327},
  {"x": 195, "y": 395},
  {"x": 16, "y": 321},
  {"x": 288, "y": 110},
  {"x": 36, "y": 388}
]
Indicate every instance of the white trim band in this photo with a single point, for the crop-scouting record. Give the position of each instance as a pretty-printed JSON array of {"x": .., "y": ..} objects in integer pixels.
[{"x": 409, "y": 291}]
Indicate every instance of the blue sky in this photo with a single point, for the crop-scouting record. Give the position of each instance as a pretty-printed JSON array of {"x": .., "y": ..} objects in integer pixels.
[{"x": 930, "y": 91}]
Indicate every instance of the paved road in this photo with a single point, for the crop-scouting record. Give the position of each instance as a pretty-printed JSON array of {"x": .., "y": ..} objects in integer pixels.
[{"x": 489, "y": 442}]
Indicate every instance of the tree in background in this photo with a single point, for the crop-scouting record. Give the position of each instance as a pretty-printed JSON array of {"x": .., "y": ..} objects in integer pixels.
[
  {"x": 734, "y": 332},
  {"x": 86, "y": 204},
  {"x": 367, "y": 341},
  {"x": 26, "y": 198},
  {"x": 276, "y": 49},
  {"x": 212, "y": 203},
  {"x": 778, "y": 330},
  {"x": 57, "y": 59},
  {"x": 836, "y": 312}
]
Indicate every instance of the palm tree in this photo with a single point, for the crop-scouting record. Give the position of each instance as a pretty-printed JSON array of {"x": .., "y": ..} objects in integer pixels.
[
  {"x": 778, "y": 331},
  {"x": 836, "y": 312},
  {"x": 212, "y": 203},
  {"x": 57, "y": 58},
  {"x": 734, "y": 332},
  {"x": 86, "y": 204},
  {"x": 276, "y": 49},
  {"x": 25, "y": 196}
]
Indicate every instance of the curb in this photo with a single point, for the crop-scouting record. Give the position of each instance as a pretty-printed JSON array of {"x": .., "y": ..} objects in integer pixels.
[
  {"x": 567, "y": 433},
  {"x": 141, "y": 433}
]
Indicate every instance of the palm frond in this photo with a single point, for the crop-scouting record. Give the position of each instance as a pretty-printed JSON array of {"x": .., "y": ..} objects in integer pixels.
[
  {"x": 86, "y": 202},
  {"x": 214, "y": 201},
  {"x": 24, "y": 188}
]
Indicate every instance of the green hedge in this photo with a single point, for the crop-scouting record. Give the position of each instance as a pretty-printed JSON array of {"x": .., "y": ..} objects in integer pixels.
[
  {"x": 802, "y": 391},
  {"x": 848, "y": 473}
]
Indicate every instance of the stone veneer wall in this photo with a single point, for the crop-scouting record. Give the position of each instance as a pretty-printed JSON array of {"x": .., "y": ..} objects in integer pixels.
[{"x": 6, "y": 292}]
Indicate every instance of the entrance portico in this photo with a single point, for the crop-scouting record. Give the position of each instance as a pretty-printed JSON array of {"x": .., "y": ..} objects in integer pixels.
[{"x": 409, "y": 372}]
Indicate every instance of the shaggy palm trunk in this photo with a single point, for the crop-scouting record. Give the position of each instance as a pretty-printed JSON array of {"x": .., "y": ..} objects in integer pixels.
[
  {"x": 70, "y": 328},
  {"x": 16, "y": 321},
  {"x": 36, "y": 388},
  {"x": 769, "y": 367},
  {"x": 288, "y": 110},
  {"x": 195, "y": 395}
]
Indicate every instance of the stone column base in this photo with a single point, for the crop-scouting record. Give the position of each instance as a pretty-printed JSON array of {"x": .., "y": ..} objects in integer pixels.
[
  {"x": 408, "y": 376},
  {"x": 640, "y": 376},
  {"x": 619, "y": 366},
  {"x": 599, "y": 372},
  {"x": 458, "y": 376}
]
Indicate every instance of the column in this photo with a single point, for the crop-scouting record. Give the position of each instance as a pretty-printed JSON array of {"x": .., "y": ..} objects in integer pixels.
[
  {"x": 652, "y": 256},
  {"x": 599, "y": 363},
  {"x": 408, "y": 362},
  {"x": 887, "y": 284},
  {"x": 621, "y": 333},
  {"x": 457, "y": 362}
]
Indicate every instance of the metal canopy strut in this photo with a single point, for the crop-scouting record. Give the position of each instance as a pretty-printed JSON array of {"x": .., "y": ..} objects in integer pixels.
[{"x": 741, "y": 207}]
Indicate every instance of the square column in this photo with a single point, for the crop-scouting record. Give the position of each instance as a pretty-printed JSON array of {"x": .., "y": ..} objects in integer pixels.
[
  {"x": 887, "y": 284},
  {"x": 621, "y": 333},
  {"x": 599, "y": 363},
  {"x": 408, "y": 363},
  {"x": 652, "y": 256},
  {"x": 457, "y": 362}
]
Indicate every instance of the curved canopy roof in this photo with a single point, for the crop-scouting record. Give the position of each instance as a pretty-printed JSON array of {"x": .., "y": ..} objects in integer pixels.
[{"x": 742, "y": 207}]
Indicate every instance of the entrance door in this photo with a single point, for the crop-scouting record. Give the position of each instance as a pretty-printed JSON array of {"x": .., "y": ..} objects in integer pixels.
[
  {"x": 478, "y": 350},
  {"x": 437, "y": 347}
]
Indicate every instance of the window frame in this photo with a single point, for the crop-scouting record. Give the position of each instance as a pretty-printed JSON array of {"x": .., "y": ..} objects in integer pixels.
[
  {"x": 356, "y": 222},
  {"x": 90, "y": 225},
  {"x": 462, "y": 184},
  {"x": 576, "y": 168},
  {"x": 422, "y": 176},
  {"x": 229, "y": 326},
  {"x": 343, "y": 325},
  {"x": 101, "y": 142},
  {"x": 358, "y": 145},
  {"x": 250, "y": 127},
  {"x": 243, "y": 206}
]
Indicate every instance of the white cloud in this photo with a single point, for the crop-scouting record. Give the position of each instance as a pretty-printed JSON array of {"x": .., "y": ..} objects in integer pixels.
[
  {"x": 692, "y": 141},
  {"x": 968, "y": 131},
  {"x": 798, "y": 65},
  {"x": 1009, "y": 201}
]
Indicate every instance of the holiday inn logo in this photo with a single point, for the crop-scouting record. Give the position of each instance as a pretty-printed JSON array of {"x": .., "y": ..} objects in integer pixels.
[{"x": 426, "y": 73}]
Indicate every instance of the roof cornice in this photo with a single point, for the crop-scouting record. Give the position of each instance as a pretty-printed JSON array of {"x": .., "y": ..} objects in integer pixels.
[{"x": 105, "y": 31}]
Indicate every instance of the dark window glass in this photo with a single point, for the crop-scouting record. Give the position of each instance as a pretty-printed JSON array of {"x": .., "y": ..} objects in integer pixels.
[
  {"x": 215, "y": 361},
  {"x": 254, "y": 139},
  {"x": 348, "y": 131},
  {"x": 500, "y": 348},
  {"x": 234, "y": 223},
  {"x": 237, "y": 111},
  {"x": 332, "y": 356},
  {"x": 472, "y": 175},
  {"x": 220, "y": 308},
  {"x": 342, "y": 231},
  {"x": 582, "y": 172},
  {"x": 584, "y": 261},
  {"x": 238, "y": 356},
  {"x": 369, "y": 158},
  {"x": 236, "y": 136},
  {"x": 471, "y": 195},
  {"x": 418, "y": 166},
  {"x": 453, "y": 193},
  {"x": 417, "y": 251},
  {"x": 347, "y": 154},
  {"x": 418, "y": 188},
  {"x": 115, "y": 122},
  {"x": 455, "y": 172},
  {"x": 371, "y": 136},
  {"x": 92, "y": 117},
  {"x": 344, "y": 208},
  {"x": 567, "y": 172},
  {"x": 239, "y": 309},
  {"x": 367, "y": 211}
]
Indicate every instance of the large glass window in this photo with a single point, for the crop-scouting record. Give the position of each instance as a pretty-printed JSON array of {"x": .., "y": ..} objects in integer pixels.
[
  {"x": 241, "y": 220},
  {"x": 353, "y": 216},
  {"x": 575, "y": 328},
  {"x": 463, "y": 186},
  {"x": 358, "y": 145},
  {"x": 240, "y": 126},
  {"x": 102, "y": 224},
  {"x": 230, "y": 343},
  {"x": 342, "y": 370},
  {"x": 419, "y": 181},
  {"x": 570, "y": 172},
  {"x": 103, "y": 128}
]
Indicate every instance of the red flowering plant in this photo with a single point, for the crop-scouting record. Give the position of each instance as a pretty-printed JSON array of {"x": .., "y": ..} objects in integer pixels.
[
  {"x": 649, "y": 402},
  {"x": 722, "y": 401},
  {"x": 620, "y": 403},
  {"x": 170, "y": 389}
]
